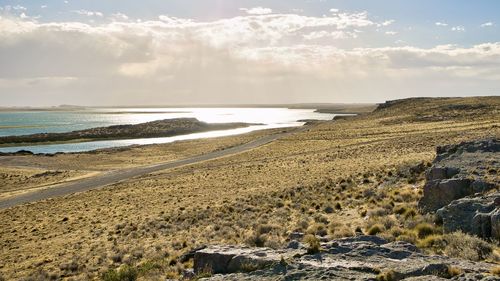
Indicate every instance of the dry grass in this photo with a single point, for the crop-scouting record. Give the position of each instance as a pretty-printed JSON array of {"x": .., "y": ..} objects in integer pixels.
[
  {"x": 495, "y": 271},
  {"x": 338, "y": 177}
]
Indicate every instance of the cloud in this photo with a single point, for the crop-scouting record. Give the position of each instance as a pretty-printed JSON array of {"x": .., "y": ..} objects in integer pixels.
[
  {"x": 487, "y": 24},
  {"x": 387, "y": 22},
  {"x": 441, "y": 24},
  {"x": 334, "y": 10},
  {"x": 19, "y": 8},
  {"x": 333, "y": 35},
  {"x": 88, "y": 13},
  {"x": 391, "y": 32},
  {"x": 119, "y": 17},
  {"x": 252, "y": 58},
  {"x": 458, "y": 28},
  {"x": 257, "y": 11}
]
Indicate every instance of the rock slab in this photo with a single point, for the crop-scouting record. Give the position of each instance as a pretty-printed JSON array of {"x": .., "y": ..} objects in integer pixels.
[{"x": 356, "y": 258}]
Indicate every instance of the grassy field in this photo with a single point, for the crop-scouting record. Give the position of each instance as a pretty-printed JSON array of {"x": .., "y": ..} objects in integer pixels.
[{"x": 361, "y": 174}]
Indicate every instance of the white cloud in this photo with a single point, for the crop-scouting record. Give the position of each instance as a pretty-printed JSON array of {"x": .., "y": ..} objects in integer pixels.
[
  {"x": 88, "y": 13},
  {"x": 391, "y": 32},
  {"x": 255, "y": 58},
  {"x": 332, "y": 35},
  {"x": 119, "y": 17},
  {"x": 458, "y": 28},
  {"x": 43, "y": 6},
  {"x": 334, "y": 11},
  {"x": 257, "y": 11},
  {"x": 487, "y": 24},
  {"x": 441, "y": 24},
  {"x": 387, "y": 22},
  {"x": 19, "y": 8}
]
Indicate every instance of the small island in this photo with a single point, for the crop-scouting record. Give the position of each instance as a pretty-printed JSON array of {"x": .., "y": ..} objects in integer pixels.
[{"x": 154, "y": 129}]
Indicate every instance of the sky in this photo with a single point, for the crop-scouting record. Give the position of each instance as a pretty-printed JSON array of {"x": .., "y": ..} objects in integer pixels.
[{"x": 157, "y": 52}]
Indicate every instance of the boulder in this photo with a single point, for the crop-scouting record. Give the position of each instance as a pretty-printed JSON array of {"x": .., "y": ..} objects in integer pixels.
[
  {"x": 474, "y": 215},
  {"x": 495, "y": 223},
  {"x": 439, "y": 193}
]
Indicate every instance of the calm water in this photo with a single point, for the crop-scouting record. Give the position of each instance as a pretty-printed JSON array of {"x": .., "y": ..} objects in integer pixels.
[{"x": 23, "y": 123}]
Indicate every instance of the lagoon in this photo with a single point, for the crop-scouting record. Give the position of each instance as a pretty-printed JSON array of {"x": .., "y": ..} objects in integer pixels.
[{"x": 32, "y": 122}]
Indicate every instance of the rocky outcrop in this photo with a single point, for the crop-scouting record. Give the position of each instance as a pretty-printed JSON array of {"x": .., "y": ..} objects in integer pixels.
[
  {"x": 474, "y": 215},
  {"x": 227, "y": 259},
  {"x": 356, "y": 258},
  {"x": 461, "y": 186}
]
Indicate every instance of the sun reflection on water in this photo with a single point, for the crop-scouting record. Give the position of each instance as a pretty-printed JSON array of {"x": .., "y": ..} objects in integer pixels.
[{"x": 266, "y": 118}]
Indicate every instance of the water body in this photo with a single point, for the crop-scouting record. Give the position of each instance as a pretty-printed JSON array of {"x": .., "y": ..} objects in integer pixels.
[{"x": 32, "y": 122}]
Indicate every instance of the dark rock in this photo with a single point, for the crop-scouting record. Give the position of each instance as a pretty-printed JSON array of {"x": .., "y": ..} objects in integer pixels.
[
  {"x": 473, "y": 215},
  {"x": 495, "y": 222},
  {"x": 440, "y": 193},
  {"x": 295, "y": 245}
]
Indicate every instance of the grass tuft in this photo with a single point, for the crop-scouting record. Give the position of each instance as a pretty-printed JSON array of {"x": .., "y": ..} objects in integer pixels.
[{"x": 375, "y": 229}]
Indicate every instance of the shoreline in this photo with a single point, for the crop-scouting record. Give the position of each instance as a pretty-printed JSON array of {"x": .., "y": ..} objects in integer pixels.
[
  {"x": 24, "y": 152},
  {"x": 131, "y": 143}
]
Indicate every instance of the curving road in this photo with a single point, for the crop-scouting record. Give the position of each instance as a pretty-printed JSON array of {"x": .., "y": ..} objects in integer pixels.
[{"x": 120, "y": 175}]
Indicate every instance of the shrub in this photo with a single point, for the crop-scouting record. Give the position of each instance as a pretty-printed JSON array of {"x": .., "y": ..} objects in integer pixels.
[
  {"x": 318, "y": 229},
  {"x": 495, "y": 270},
  {"x": 256, "y": 240},
  {"x": 248, "y": 266},
  {"x": 400, "y": 209},
  {"x": 375, "y": 229},
  {"x": 341, "y": 232},
  {"x": 454, "y": 271},
  {"x": 264, "y": 228},
  {"x": 410, "y": 213},
  {"x": 363, "y": 213},
  {"x": 461, "y": 245},
  {"x": 378, "y": 212},
  {"x": 407, "y": 236},
  {"x": 313, "y": 245},
  {"x": 338, "y": 206},
  {"x": 424, "y": 230},
  {"x": 435, "y": 242},
  {"x": 389, "y": 275},
  {"x": 125, "y": 273}
]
